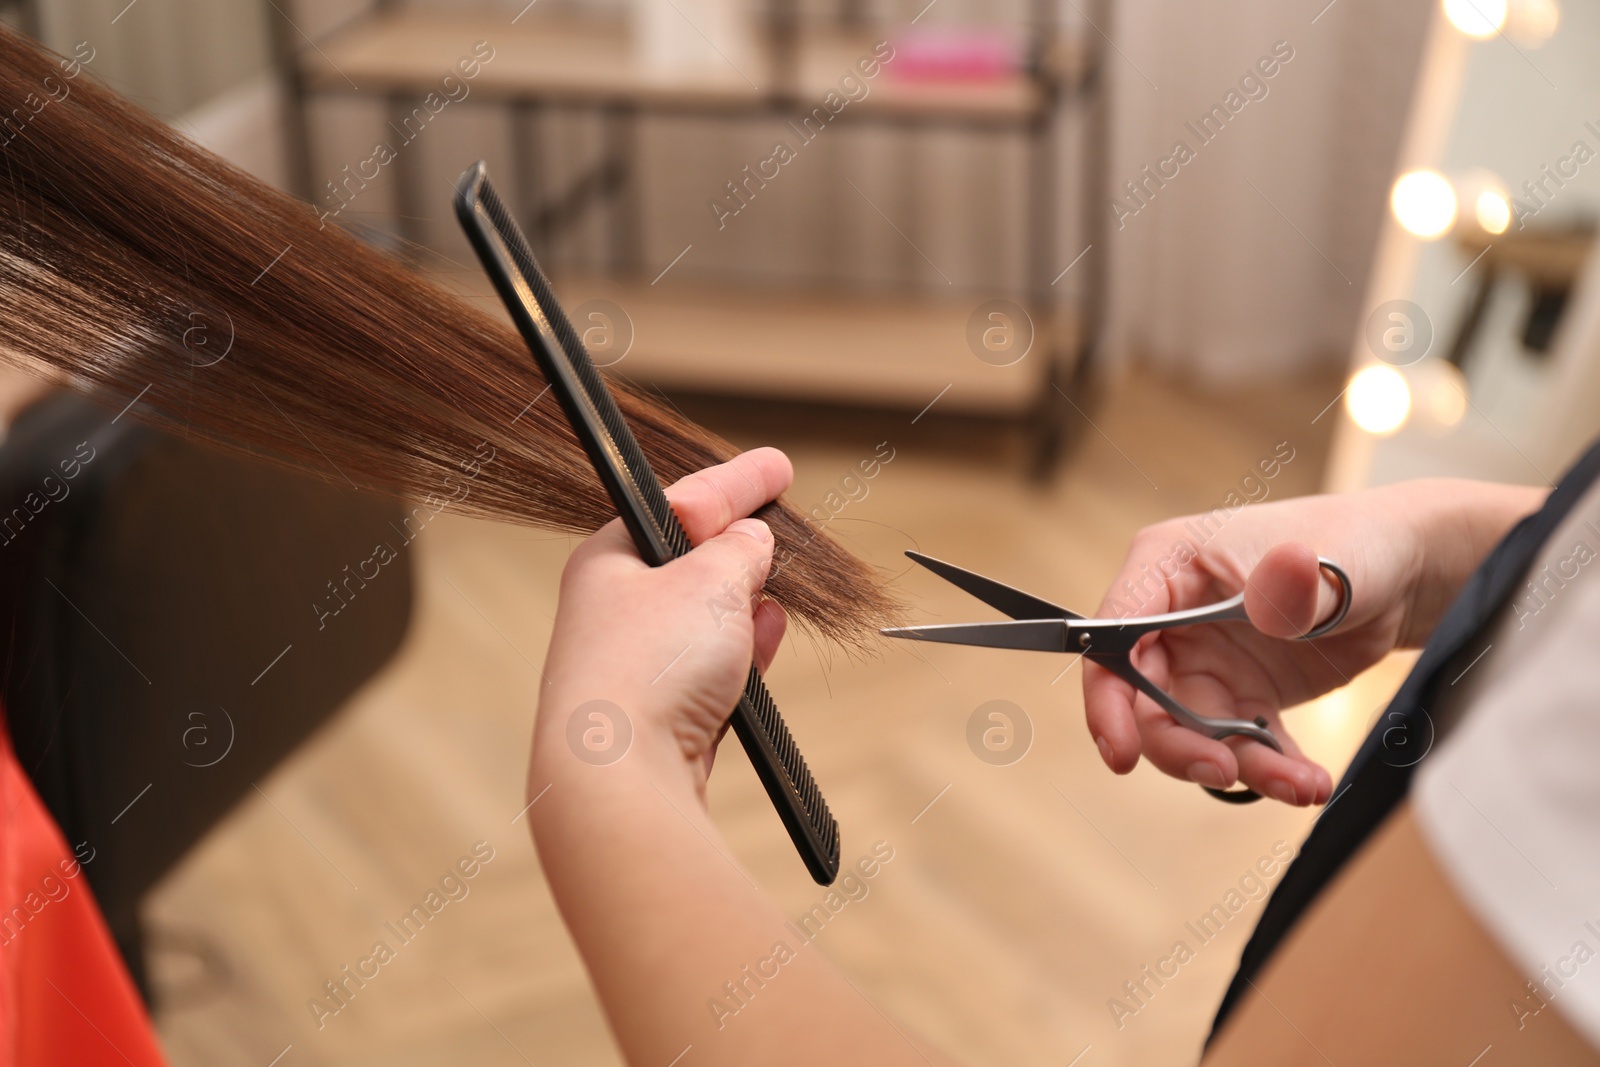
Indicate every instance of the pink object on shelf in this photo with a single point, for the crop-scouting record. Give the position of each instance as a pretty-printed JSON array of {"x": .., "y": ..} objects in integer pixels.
[{"x": 956, "y": 53}]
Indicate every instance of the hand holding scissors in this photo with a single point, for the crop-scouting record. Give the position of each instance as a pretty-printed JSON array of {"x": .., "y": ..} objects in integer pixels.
[
  {"x": 1040, "y": 626},
  {"x": 1407, "y": 548}
]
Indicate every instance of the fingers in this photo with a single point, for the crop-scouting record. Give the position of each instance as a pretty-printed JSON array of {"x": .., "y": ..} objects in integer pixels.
[
  {"x": 771, "y": 622},
  {"x": 1286, "y": 596},
  {"x": 1108, "y": 706},
  {"x": 1141, "y": 588},
  {"x": 1162, "y": 572},
  {"x": 1177, "y": 750},
  {"x": 729, "y": 567},
  {"x": 1182, "y": 753},
  {"x": 732, "y": 566},
  {"x": 1127, "y": 725},
  {"x": 745, "y": 547},
  {"x": 1156, "y": 563},
  {"x": 708, "y": 500},
  {"x": 1284, "y": 776}
]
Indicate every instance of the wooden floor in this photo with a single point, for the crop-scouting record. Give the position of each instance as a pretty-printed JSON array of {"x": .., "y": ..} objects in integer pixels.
[{"x": 1019, "y": 899}]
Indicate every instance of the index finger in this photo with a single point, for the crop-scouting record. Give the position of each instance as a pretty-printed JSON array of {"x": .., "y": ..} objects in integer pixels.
[
  {"x": 1161, "y": 573},
  {"x": 1108, "y": 707},
  {"x": 706, "y": 501}
]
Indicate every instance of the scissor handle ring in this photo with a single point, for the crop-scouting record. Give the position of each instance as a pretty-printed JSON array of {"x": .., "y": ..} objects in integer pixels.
[
  {"x": 1346, "y": 594},
  {"x": 1234, "y": 796},
  {"x": 1243, "y": 796}
]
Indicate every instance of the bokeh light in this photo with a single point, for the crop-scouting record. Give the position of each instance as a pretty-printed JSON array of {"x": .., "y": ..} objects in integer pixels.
[
  {"x": 1440, "y": 390},
  {"x": 1493, "y": 211},
  {"x": 1478, "y": 19},
  {"x": 1533, "y": 22},
  {"x": 1447, "y": 404},
  {"x": 1378, "y": 399},
  {"x": 1424, "y": 202}
]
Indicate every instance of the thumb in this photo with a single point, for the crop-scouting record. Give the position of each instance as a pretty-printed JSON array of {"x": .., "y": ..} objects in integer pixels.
[{"x": 1283, "y": 593}]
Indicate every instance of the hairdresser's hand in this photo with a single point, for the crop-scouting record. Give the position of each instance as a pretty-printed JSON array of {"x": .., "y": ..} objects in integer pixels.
[
  {"x": 657, "y": 903},
  {"x": 668, "y": 646},
  {"x": 1407, "y": 548}
]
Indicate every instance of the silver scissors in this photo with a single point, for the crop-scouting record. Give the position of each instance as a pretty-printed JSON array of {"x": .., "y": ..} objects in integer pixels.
[{"x": 1039, "y": 626}]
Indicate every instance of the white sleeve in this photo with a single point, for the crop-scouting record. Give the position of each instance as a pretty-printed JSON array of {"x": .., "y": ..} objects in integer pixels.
[{"x": 1509, "y": 803}]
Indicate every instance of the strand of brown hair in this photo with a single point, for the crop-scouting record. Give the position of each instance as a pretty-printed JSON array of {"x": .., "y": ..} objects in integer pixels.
[{"x": 117, "y": 235}]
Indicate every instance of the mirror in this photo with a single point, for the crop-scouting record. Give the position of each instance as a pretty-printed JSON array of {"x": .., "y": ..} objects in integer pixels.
[{"x": 1476, "y": 354}]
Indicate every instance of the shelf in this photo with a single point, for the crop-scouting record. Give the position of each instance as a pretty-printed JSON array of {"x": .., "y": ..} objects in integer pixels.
[
  {"x": 588, "y": 61},
  {"x": 585, "y": 61},
  {"x": 824, "y": 59},
  {"x": 903, "y": 352},
  {"x": 896, "y": 352}
]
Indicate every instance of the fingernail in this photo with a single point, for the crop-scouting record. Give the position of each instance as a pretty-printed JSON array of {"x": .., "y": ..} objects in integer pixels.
[
  {"x": 753, "y": 528},
  {"x": 1105, "y": 750},
  {"x": 1207, "y": 773},
  {"x": 1283, "y": 790}
]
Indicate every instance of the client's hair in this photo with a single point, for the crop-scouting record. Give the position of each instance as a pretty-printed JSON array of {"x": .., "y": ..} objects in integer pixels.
[{"x": 118, "y": 237}]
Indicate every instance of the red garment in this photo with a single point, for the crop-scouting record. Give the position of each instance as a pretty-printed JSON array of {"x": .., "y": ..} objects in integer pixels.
[{"x": 65, "y": 996}]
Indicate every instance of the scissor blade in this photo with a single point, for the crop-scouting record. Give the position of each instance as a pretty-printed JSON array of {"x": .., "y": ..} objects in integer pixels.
[
  {"x": 1003, "y": 598},
  {"x": 1028, "y": 635}
]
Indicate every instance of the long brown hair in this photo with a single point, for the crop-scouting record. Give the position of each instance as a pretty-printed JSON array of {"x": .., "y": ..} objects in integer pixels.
[{"x": 123, "y": 246}]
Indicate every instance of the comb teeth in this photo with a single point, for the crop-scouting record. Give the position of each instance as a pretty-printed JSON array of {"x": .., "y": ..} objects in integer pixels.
[
  {"x": 588, "y": 375},
  {"x": 794, "y": 765},
  {"x": 788, "y": 779}
]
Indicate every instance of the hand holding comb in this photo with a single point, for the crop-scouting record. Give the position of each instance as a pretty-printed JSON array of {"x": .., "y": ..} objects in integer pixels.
[{"x": 626, "y": 474}]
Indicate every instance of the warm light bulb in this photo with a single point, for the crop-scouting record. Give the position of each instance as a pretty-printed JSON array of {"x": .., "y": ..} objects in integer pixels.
[
  {"x": 1441, "y": 395},
  {"x": 1424, "y": 202},
  {"x": 1478, "y": 19},
  {"x": 1533, "y": 22},
  {"x": 1378, "y": 399},
  {"x": 1494, "y": 211},
  {"x": 1447, "y": 403}
]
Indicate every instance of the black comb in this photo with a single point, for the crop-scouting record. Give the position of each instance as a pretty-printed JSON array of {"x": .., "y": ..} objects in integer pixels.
[{"x": 633, "y": 487}]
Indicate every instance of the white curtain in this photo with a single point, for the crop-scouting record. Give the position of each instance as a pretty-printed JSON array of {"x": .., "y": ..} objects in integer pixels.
[
  {"x": 1249, "y": 264},
  {"x": 169, "y": 56}
]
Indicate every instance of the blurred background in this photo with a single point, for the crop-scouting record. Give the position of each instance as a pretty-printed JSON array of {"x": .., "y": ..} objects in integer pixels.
[{"x": 1074, "y": 266}]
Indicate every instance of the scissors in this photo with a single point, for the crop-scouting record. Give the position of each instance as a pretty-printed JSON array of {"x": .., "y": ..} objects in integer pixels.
[{"x": 1037, "y": 625}]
